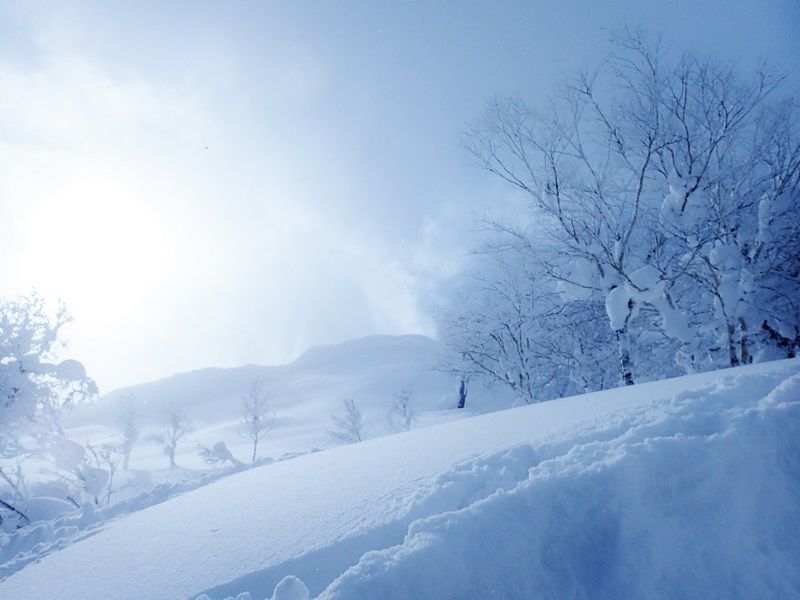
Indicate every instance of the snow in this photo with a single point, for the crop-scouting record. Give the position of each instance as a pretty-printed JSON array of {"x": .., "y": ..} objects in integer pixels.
[
  {"x": 680, "y": 488},
  {"x": 618, "y": 307},
  {"x": 45, "y": 509},
  {"x": 579, "y": 280},
  {"x": 303, "y": 394},
  {"x": 663, "y": 508},
  {"x": 71, "y": 370},
  {"x": 647, "y": 284},
  {"x": 291, "y": 588},
  {"x": 673, "y": 321}
]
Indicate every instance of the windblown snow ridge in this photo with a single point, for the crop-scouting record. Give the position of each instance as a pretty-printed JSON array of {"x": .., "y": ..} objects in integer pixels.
[{"x": 693, "y": 497}]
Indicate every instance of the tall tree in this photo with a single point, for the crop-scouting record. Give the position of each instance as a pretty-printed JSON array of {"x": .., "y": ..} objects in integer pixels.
[{"x": 667, "y": 191}]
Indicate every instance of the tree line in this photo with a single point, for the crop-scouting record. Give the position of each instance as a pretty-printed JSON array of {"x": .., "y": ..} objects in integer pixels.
[{"x": 660, "y": 233}]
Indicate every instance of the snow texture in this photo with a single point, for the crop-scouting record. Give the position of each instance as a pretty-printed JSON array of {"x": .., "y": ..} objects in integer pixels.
[
  {"x": 618, "y": 307},
  {"x": 290, "y": 588},
  {"x": 684, "y": 488}
]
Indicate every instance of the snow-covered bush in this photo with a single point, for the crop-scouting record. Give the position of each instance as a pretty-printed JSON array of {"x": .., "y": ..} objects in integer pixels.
[
  {"x": 403, "y": 414},
  {"x": 33, "y": 387},
  {"x": 218, "y": 455},
  {"x": 178, "y": 426},
  {"x": 349, "y": 427}
]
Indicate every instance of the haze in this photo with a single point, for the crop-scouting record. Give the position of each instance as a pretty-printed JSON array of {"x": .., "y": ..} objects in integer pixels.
[{"x": 230, "y": 183}]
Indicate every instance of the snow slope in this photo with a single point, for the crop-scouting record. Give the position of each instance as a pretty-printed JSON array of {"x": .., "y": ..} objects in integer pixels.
[
  {"x": 681, "y": 488},
  {"x": 365, "y": 369},
  {"x": 304, "y": 395}
]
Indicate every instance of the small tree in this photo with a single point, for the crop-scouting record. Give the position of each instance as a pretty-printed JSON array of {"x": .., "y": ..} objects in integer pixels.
[
  {"x": 129, "y": 431},
  {"x": 348, "y": 428},
  {"x": 403, "y": 413},
  {"x": 178, "y": 427},
  {"x": 88, "y": 471},
  {"x": 218, "y": 455},
  {"x": 105, "y": 459},
  {"x": 258, "y": 419}
]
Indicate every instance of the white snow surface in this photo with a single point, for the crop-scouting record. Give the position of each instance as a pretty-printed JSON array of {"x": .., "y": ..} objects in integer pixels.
[
  {"x": 685, "y": 488},
  {"x": 304, "y": 395}
]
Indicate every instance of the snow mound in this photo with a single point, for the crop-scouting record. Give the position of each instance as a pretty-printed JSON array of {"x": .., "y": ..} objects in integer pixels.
[
  {"x": 290, "y": 588},
  {"x": 698, "y": 503}
]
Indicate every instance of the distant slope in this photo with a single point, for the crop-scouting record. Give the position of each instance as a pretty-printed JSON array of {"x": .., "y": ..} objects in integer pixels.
[
  {"x": 682, "y": 488},
  {"x": 367, "y": 369},
  {"x": 304, "y": 394}
]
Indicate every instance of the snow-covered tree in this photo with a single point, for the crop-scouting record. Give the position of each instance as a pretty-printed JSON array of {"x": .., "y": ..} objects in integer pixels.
[
  {"x": 515, "y": 330},
  {"x": 664, "y": 191},
  {"x": 86, "y": 470},
  {"x": 33, "y": 387},
  {"x": 178, "y": 426},
  {"x": 403, "y": 413},
  {"x": 258, "y": 419},
  {"x": 130, "y": 433},
  {"x": 105, "y": 461},
  {"x": 348, "y": 428}
]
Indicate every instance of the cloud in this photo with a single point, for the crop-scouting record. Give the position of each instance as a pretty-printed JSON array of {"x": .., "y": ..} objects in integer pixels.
[{"x": 170, "y": 255}]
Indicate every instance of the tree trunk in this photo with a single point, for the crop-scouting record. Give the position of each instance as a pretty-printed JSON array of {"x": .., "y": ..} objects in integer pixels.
[
  {"x": 19, "y": 513},
  {"x": 786, "y": 344},
  {"x": 624, "y": 347},
  {"x": 744, "y": 351},
  {"x": 733, "y": 355},
  {"x": 462, "y": 393},
  {"x": 255, "y": 449}
]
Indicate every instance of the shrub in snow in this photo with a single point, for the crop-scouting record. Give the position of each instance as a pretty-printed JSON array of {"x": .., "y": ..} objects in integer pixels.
[
  {"x": 403, "y": 414},
  {"x": 178, "y": 427},
  {"x": 347, "y": 428},
  {"x": 88, "y": 472},
  {"x": 217, "y": 456}
]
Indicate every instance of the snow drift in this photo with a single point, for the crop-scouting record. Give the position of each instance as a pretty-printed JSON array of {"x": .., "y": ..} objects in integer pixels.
[
  {"x": 687, "y": 488},
  {"x": 699, "y": 502}
]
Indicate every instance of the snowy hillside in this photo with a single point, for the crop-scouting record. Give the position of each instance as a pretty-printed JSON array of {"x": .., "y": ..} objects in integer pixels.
[
  {"x": 686, "y": 488},
  {"x": 303, "y": 394}
]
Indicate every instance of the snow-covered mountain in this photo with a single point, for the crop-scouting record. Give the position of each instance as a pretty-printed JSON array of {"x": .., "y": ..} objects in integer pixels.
[
  {"x": 367, "y": 369},
  {"x": 304, "y": 394},
  {"x": 685, "y": 488}
]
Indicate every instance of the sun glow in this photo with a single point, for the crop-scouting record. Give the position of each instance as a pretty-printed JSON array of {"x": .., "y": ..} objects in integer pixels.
[{"x": 92, "y": 239}]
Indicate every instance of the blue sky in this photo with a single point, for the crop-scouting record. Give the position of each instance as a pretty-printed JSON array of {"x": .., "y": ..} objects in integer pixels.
[{"x": 232, "y": 182}]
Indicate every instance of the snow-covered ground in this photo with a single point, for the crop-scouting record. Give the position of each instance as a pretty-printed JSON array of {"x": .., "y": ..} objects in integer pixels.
[
  {"x": 686, "y": 488},
  {"x": 304, "y": 394}
]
